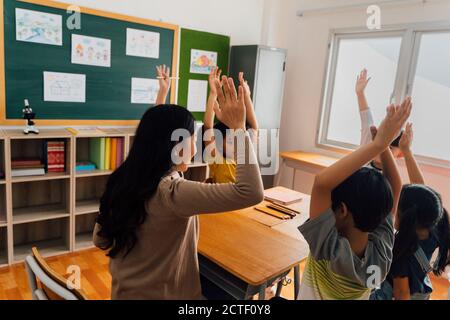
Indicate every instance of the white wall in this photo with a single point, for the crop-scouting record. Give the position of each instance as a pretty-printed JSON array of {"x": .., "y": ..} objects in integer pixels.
[
  {"x": 240, "y": 19},
  {"x": 306, "y": 41}
]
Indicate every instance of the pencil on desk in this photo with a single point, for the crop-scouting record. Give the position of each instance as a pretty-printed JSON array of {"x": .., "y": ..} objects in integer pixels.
[
  {"x": 272, "y": 213},
  {"x": 284, "y": 210}
]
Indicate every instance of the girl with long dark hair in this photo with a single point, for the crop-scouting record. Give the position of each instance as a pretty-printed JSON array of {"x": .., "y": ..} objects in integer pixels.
[
  {"x": 148, "y": 214},
  {"x": 422, "y": 228}
]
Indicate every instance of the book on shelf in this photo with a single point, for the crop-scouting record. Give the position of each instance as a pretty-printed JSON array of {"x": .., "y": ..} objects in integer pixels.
[
  {"x": 113, "y": 156},
  {"x": 92, "y": 131},
  {"x": 55, "y": 156},
  {"x": 282, "y": 196},
  {"x": 85, "y": 166},
  {"x": 97, "y": 152},
  {"x": 24, "y": 167},
  {"x": 119, "y": 153},
  {"x": 108, "y": 154},
  {"x": 27, "y": 172},
  {"x": 25, "y": 162}
]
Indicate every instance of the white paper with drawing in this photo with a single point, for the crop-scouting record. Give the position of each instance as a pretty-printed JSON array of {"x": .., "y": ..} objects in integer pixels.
[
  {"x": 38, "y": 27},
  {"x": 197, "y": 93},
  {"x": 91, "y": 51},
  {"x": 64, "y": 87},
  {"x": 142, "y": 43},
  {"x": 202, "y": 61},
  {"x": 144, "y": 91}
]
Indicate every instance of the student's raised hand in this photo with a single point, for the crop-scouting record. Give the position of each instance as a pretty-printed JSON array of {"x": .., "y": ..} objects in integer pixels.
[
  {"x": 391, "y": 126},
  {"x": 361, "y": 82},
  {"x": 214, "y": 77},
  {"x": 231, "y": 107},
  {"x": 163, "y": 75},
  {"x": 406, "y": 139},
  {"x": 244, "y": 84}
]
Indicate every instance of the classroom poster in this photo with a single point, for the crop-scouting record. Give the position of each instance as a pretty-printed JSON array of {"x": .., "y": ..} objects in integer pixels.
[
  {"x": 64, "y": 87},
  {"x": 144, "y": 91},
  {"x": 202, "y": 61},
  {"x": 142, "y": 43},
  {"x": 91, "y": 51},
  {"x": 197, "y": 94},
  {"x": 38, "y": 27}
]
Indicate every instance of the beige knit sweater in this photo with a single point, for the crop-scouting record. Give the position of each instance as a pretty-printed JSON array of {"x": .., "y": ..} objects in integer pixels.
[{"x": 164, "y": 263}]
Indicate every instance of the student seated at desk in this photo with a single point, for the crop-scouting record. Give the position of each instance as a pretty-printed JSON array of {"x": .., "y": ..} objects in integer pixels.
[
  {"x": 219, "y": 152},
  {"x": 350, "y": 231},
  {"x": 148, "y": 220}
]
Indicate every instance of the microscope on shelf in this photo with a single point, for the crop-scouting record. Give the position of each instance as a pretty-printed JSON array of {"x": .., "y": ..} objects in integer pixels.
[{"x": 29, "y": 115}]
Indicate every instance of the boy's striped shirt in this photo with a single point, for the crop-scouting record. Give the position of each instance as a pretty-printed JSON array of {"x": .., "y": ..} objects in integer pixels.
[{"x": 333, "y": 271}]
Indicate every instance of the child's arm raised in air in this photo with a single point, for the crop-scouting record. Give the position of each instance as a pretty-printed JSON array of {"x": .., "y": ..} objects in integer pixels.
[
  {"x": 208, "y": 120},
  {"x": 163, "y": 75},
  {"x": 214, "y": 76},
  {"x": 391, "y": 172},
  {"x": 361, "y": 84},
  {"x": 364, "y": 111},
  {"x": 334, "y": 175},
  {"x": 250, "y": 109},
  {"x": 414, "y": 172}
]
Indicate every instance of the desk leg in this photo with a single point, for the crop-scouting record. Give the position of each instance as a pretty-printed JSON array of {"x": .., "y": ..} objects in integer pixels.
[
  {"x": 262, "y": 292},
  {"x": 293, "y": 179},
  {"x": 279, "y": 287},
  {"x": 296, "y": 281}
]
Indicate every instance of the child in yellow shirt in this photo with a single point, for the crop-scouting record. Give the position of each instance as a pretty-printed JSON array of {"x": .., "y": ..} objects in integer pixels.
[{"x": 222, "y": 167}]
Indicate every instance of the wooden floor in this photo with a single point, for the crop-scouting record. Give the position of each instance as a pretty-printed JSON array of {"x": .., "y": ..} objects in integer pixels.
[{"x": 96, "y": 280}]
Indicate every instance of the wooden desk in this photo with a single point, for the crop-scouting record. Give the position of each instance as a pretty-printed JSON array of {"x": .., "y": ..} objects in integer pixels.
[
  {"x": 244, "y": 256},
  {"x": 304, "y": 161}
]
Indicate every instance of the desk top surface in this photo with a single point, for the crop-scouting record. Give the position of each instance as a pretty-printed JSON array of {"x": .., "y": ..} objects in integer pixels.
[
  {"x": 309, "y": 158},
  {"x": 251, "y": 250}
]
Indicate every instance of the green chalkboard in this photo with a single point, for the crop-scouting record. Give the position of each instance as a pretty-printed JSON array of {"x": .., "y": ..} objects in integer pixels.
[
  {"x": 108, "y": 90},
  {"x": 191, "y": 39}
]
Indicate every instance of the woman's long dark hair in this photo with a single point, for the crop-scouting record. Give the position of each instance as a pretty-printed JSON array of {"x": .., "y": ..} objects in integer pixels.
[
  {"x": 420, "y": 207},
  {"x": 122, "y": 206}
]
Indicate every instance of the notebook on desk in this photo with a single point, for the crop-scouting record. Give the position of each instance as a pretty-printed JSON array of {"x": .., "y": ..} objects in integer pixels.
[{"x": 282, "y": 196}]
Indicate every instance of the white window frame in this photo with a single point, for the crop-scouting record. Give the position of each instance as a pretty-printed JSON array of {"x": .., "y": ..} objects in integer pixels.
[{"x": 404, "y": 82}]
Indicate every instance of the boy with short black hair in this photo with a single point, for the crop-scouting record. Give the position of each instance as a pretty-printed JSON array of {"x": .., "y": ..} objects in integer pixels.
[{"x": 350, "y": 232}]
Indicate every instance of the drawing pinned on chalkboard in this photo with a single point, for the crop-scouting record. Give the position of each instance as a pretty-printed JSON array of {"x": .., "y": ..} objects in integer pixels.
[
  {"x": 144, "y": 91},
  {"x": 91, "y": 51},
  {"x": 38, "y": 27},
  {"x": 202, "y": 61},
  {"x": 64, "y": 87},
  {"x": 142, "y": 43}
]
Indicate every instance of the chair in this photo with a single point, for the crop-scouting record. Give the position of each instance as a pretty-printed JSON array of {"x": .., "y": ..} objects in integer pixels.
[{"x": 45, "y": 283}]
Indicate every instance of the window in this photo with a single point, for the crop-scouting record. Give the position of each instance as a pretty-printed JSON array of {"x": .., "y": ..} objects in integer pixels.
[
  {"x": 431, "y": 96},
  {"x": 409, "y": 61}
]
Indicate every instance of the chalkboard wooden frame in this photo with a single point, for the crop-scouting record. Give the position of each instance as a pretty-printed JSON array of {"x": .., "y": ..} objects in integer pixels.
[{"x": 82, "y": 122}]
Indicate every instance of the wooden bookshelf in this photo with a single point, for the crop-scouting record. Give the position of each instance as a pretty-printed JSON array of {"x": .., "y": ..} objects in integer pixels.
[{"x": 57, "y": 211}]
